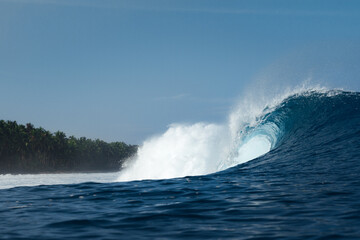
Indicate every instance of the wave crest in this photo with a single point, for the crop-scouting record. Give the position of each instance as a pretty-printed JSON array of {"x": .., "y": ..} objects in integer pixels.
[{"x": 252, "y": 131}]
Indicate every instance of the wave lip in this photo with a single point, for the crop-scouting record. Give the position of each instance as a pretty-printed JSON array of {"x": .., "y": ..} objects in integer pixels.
[{"x": 201, "y": 148}]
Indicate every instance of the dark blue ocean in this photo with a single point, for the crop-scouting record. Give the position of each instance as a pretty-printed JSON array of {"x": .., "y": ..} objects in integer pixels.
[{"x": 306, "y": 187}]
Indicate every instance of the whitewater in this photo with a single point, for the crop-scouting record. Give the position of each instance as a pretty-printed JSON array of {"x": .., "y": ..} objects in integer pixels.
[
  {"x": 192, "y": 149},
  {"x": 204, "y": 148},
  {"x": 283, "y": 166}
]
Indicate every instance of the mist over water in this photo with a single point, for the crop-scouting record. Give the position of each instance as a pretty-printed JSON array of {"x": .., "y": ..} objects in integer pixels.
[
  {"x": 182, "y": 150},
  {"x": 308, "y": 187},
  {"x": 204, "y": 148},
  {"x": 10, "y": 180}
]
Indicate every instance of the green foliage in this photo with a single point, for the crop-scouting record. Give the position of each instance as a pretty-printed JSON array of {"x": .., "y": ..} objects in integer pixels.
[{"x": 26, "y": 149}]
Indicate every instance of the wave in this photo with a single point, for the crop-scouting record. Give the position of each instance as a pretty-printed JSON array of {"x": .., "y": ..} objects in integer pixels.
[{"x": 252, "y": 130}]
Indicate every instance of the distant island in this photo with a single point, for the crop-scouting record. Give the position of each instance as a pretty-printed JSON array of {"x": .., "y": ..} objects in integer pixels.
[{"x": 26, "y": 149}]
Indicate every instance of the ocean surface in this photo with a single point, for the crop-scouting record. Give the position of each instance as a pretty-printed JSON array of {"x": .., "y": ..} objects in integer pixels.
[{"x": 286, "y": 169}]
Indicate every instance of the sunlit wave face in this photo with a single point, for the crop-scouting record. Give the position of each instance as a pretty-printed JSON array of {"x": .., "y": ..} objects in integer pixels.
[
  {"x": 203, "y": 148},
  {"x": 255, "y": 147}
]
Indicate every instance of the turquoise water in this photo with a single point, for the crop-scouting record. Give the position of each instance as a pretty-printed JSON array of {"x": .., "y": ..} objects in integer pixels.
[{"x": 306, "y": 187}]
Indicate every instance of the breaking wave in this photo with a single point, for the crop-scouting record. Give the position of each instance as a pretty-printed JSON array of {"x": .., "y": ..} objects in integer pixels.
[{"x": 252, "y": 130}]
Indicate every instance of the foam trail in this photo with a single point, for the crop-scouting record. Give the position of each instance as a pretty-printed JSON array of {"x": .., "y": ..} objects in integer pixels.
[
  {"x": 181, "y": 151},
  {"x": 188, "y": 150},
  {"x": 18, "y": 180},
  {"x": 202, "y": 148}
]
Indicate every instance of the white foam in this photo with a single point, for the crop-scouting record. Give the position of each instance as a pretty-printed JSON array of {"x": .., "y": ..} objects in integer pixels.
[
  {"x": 10, "y": 181},
  {"x": 201, "y": 148},
  {"x": 181, "y": 151}
]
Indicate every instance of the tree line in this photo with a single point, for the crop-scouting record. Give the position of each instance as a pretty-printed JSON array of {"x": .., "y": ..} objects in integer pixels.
[{"x": 26, "y": 149}]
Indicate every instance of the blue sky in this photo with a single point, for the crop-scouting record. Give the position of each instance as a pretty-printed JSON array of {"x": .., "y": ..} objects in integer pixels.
[{"x": 125, "y": 70}]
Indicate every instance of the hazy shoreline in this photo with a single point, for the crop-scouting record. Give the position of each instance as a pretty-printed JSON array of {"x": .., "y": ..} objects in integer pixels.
[{"x": 25, "y": 149}]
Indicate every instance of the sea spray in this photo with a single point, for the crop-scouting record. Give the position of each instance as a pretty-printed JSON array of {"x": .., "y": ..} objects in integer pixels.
[
  {"x": 203, "y": 148},
  {"x": 181, "y": 151},
  {"x": 307, "y": 187}
]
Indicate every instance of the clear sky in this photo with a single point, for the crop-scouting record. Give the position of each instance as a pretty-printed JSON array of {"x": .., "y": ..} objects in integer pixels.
[{"x": 123, "y": 70}]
